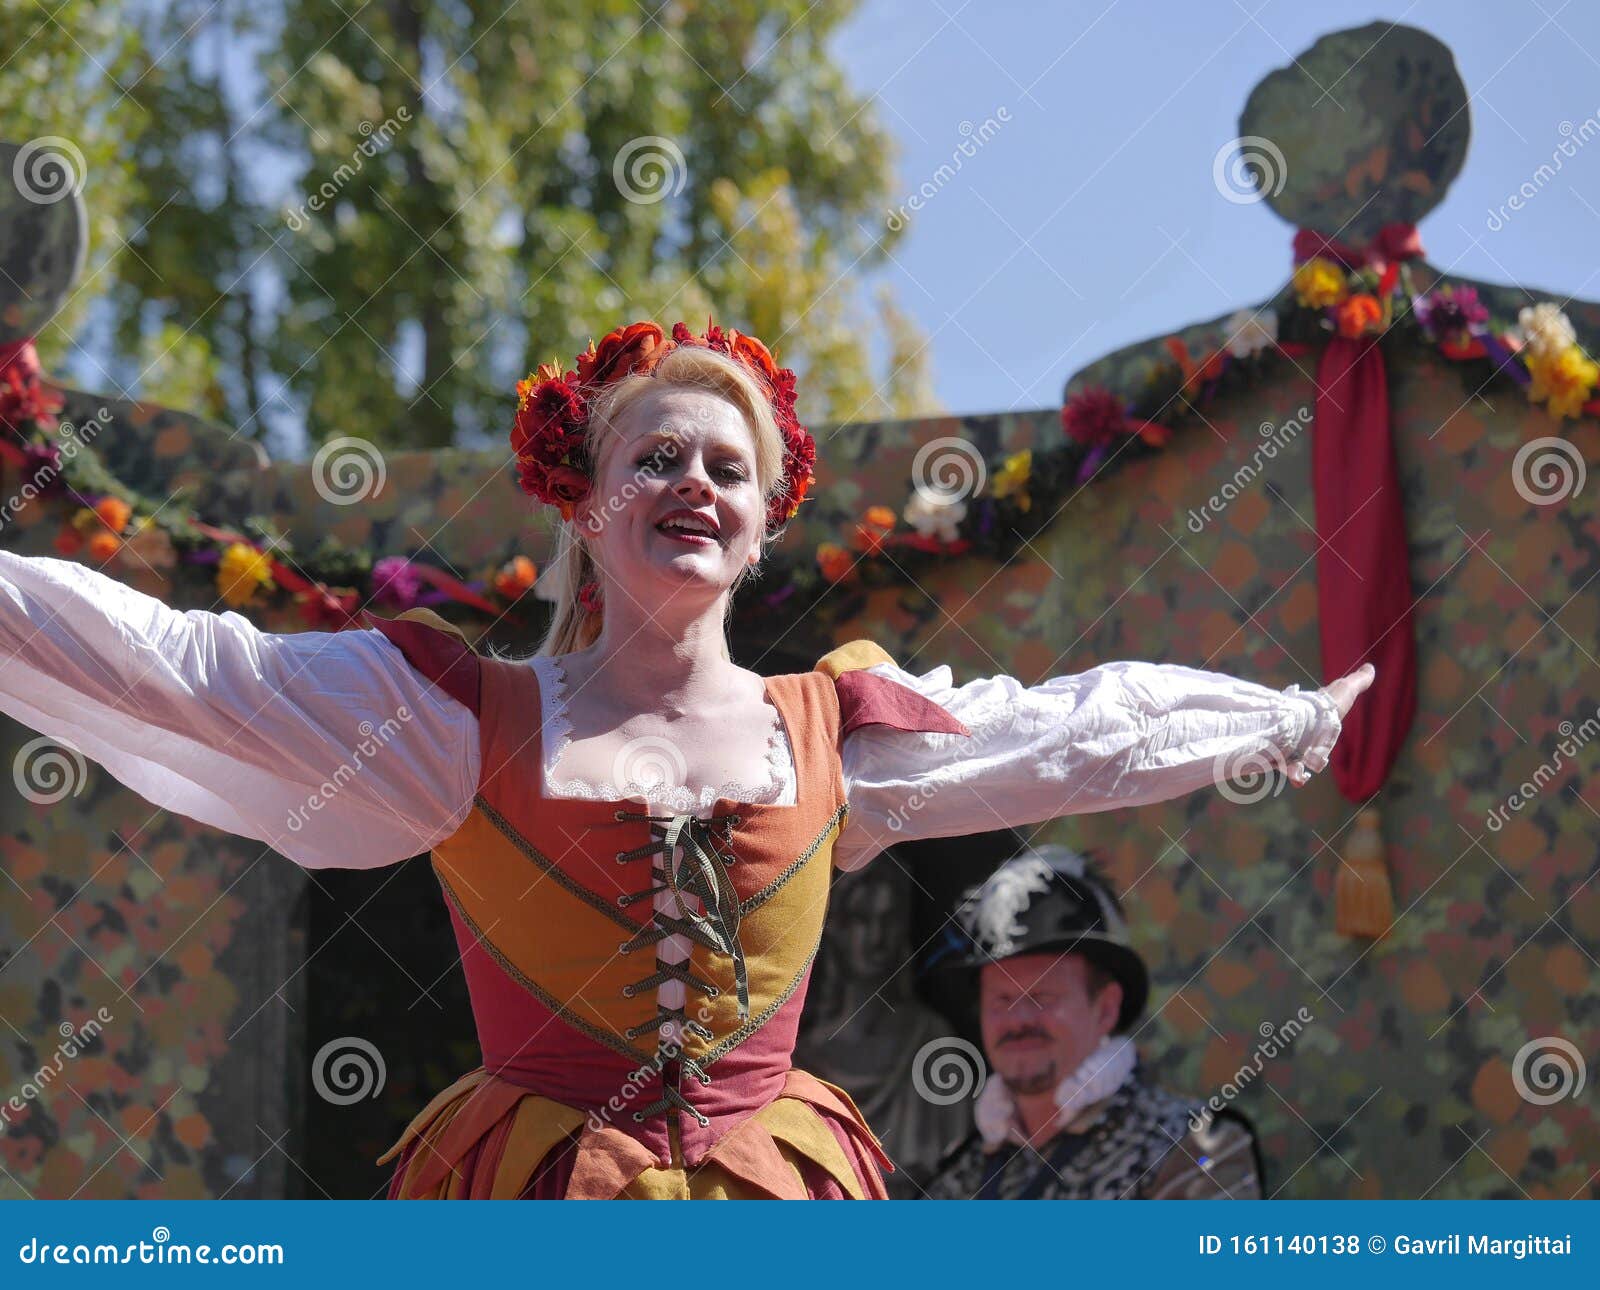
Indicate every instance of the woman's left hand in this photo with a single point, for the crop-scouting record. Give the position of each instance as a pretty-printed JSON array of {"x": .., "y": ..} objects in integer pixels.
[{"x": 1343, "y": 692}]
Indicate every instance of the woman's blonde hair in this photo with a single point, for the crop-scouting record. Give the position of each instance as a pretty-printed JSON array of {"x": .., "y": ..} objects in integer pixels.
[{"x": 687, "y": 367}]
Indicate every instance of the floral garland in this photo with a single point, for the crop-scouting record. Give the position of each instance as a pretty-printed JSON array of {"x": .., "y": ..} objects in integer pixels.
[
  {"x": 1336, "y": 291},
  {"x": 111, "y": 525},
  {"x": 1333, "y": 292}
]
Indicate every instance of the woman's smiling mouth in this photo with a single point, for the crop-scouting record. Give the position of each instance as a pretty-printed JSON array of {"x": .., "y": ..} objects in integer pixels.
[{"x": 686, "y": 527}]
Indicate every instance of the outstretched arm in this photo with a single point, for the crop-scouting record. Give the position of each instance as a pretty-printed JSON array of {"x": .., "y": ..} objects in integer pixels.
[
  {"x": 327, "y": 746},
  {"x": 1126, "y": 733}
]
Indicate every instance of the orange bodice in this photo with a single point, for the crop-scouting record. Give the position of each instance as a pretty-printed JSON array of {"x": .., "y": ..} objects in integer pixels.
[{"x": 565, "y": 912}]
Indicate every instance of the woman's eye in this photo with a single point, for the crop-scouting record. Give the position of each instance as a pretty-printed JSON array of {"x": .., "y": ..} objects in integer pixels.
[{"x": 731, "y": 473}]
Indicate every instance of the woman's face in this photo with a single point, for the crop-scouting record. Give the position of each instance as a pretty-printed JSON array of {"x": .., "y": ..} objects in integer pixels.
[{"x": 683, "y": 459}]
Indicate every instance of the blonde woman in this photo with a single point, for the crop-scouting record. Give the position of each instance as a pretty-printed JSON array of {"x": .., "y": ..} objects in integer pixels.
[{"x": 634, "y": 835}]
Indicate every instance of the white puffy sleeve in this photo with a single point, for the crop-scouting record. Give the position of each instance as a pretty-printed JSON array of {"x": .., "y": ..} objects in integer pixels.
[
  {"x": 1125, "y": 733},
  {"x": 327, "y": 746}
]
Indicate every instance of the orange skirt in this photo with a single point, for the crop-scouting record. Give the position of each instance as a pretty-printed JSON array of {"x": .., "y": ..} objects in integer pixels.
[{"x": 485, "y": 1138}]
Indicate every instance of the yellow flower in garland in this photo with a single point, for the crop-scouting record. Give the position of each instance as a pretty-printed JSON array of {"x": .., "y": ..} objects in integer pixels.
[
  {"x": 1011, "y": 480},
  {"x": 1320, "y": 282},
  {"x": 242, "y": 572},
  {"x": 1562, "y": 379}
]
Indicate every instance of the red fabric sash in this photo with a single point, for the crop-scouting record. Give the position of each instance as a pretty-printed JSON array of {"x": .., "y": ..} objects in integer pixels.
[{"x": 1363, "y": 565}]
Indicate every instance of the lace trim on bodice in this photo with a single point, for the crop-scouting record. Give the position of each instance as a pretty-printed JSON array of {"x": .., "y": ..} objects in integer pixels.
[{"x": 678, "y": 798}]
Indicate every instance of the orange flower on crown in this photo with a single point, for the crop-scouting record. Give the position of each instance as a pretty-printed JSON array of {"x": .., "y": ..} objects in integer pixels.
[{"x": 638, "y": 347}]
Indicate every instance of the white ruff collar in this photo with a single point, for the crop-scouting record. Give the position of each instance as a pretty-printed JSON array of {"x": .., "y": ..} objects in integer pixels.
[{"x": 1101, "y": 1074}]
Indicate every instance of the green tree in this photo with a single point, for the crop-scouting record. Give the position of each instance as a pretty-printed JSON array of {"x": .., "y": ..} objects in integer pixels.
[{"x": 376, "y": 217}]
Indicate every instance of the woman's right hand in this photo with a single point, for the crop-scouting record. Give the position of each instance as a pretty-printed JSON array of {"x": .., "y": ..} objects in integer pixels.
[
  {"x": 1347, "y": 687},
  {"x": 1343, "y": 692}
]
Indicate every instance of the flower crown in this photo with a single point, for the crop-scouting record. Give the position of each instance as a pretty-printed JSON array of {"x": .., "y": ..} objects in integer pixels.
[{"x": 550, "y": 436}]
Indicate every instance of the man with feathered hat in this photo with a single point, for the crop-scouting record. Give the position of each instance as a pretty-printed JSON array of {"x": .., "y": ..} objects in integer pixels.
[{"x": 1068, "y": 1112}]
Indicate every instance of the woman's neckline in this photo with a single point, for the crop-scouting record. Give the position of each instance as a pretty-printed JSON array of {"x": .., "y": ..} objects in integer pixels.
[{"x": 557, "y": 734}]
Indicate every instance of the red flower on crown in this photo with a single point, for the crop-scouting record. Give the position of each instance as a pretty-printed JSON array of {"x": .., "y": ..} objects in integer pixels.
[{"x": 550, "y": 436}]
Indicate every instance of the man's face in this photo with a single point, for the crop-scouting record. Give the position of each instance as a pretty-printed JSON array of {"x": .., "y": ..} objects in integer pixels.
[{"x": 1040, "y": 1020}]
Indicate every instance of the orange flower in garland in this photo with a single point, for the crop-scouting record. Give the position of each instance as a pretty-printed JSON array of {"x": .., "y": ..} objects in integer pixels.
[
  {"x": 515, "y": 577},
  {"x": 833, "y": 560},
  {"x": 870, "y": 535},
  {"x": 1355, "y": 314},
  {"x": 114, "y": 513}
]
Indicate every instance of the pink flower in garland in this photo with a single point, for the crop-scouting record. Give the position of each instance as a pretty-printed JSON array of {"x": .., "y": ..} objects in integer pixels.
[
  {"x": 395, "y": 582},
  {"x": 1451, "y": 313}
]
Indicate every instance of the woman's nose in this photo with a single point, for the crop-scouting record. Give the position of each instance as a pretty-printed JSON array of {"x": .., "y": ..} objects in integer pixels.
[{"x": 694, "y": 486}]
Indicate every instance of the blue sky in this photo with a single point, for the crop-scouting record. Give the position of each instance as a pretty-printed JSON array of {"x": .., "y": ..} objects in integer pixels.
[{"x": 1089, "y": 218}]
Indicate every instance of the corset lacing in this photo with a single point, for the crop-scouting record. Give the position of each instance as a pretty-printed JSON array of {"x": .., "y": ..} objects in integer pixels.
[{"x": 701, "y": 872}]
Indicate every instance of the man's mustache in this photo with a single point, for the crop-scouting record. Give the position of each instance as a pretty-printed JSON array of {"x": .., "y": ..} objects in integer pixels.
[{"x": 1026, "y": 1032}]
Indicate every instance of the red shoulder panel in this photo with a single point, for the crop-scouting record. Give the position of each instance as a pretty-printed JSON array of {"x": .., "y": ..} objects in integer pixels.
[
  {"x": 444, "y": 659},
  {"x": 866, "y": 699}
]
